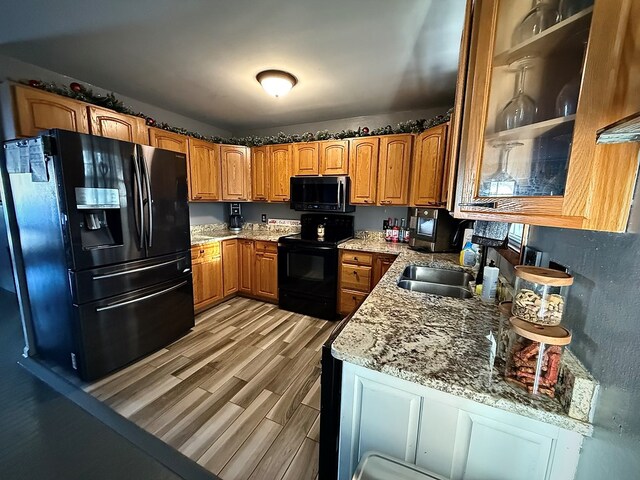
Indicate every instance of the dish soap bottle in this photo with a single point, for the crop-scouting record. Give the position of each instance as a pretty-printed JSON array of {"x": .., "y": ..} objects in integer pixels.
[{"x": 490, "y": 282}]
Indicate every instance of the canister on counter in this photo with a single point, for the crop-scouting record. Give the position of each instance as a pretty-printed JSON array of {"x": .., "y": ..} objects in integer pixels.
[
  {"x": 540, "y": 294},
  {"x": 534, "y": 355}
]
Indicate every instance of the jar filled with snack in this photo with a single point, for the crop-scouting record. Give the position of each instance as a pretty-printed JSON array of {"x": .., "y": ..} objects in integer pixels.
[
  {"x": 503, "y": 329},
  {"x": 534, "y": 355},
  {"x": 540, "y": 294}
]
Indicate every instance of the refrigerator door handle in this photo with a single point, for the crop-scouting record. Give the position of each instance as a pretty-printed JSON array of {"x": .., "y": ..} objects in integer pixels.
[
  {"x": 136, "y": 270},
  {"x": 140, "y": 299},
  {"x": 136, "y": 174},
  {"x": 147, "y": 181}
]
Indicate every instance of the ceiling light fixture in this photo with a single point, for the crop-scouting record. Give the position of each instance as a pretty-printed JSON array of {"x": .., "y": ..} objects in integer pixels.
[{"x": 276, "y": 82}]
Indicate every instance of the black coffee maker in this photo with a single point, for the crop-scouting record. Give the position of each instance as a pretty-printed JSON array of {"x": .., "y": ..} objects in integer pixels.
[{"x": 235, "y": 218}]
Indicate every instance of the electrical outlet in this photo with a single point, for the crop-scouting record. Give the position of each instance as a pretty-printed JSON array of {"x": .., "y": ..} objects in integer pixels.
[{"x": 264, "y": 218}]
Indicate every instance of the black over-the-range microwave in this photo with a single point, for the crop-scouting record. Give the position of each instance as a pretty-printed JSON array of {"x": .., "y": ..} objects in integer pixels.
[{"x": 321, "y": 194}]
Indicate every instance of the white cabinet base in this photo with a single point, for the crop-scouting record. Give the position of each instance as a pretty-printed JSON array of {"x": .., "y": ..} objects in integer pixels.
[{"x": 452, "y": 436}]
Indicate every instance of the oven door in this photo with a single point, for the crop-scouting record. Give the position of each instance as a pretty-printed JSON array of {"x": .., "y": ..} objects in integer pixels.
[
  {"x": 308, "y": 269},
  {"x": 308, "y": 279}
]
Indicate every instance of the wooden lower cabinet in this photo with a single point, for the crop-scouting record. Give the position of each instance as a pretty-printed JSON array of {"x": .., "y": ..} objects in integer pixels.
[
  {"x": 246, "y": 258},
  {"x": 266, "y": 271},
  {"x": 206, "y": 264},
  {"x": 230, "y": 261},
  {"x": 359, "y": 273},
  {"x": 451, "y": 436}
]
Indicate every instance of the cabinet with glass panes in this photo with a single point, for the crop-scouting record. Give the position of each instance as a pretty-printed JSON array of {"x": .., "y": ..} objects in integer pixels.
[{"x": 525, "y": 145}]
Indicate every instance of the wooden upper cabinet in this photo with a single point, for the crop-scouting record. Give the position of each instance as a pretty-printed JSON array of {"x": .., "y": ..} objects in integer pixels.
[
  {"x": 260, "y": 173},
  {"x": 334, "y": 157},
  {"x": 393, "y": 170},
  {"x": 306, "y": 158},
  {"x": 363, "y": 169},
  {"x": 280, "y": 167},
  {"x": 544, "y": 167},
  {"x": 110, "y": 124},
  {"x": 236, "y": 172},
  {"x": 427, "y": 170},
  {"x": 230, "y": 266},
  {"x": 37, "y": 110},
  {"x": 204, "y": 171},
  {"x": 168, "y": 140}
]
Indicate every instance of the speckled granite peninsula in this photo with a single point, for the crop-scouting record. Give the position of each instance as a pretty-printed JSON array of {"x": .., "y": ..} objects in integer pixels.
[{"x": 435, "y": 341}]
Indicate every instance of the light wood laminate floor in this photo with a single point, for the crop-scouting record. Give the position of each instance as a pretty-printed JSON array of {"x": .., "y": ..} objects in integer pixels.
[{"x": 240, "y": 394}]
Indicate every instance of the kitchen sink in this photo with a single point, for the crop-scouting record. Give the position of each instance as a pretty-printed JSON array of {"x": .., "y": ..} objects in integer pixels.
[
  {"x": 435, "y": 288},
  {"x": 436, "y": 275}
]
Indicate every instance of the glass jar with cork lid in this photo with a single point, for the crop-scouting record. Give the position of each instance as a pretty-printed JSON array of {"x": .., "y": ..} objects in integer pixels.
[
  {"x": 540, "y": 294},
  {"x": 534, "y": 355}
]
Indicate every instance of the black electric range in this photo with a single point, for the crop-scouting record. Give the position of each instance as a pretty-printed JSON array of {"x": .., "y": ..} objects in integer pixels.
[{"x": 308, "y": 265}]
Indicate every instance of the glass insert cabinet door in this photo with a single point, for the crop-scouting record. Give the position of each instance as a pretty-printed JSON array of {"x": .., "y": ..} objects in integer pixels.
[{"x": 530, "y": 89}]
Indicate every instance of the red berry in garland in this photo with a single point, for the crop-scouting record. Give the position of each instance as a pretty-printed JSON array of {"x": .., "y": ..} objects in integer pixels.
[
  {"x": 365, "y": 130},
  {"x": 76, "y": 87},
  {"x": 150, "y": 121}
]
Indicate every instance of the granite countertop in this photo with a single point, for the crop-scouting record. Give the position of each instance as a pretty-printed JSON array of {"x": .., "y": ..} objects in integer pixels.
[
  {"x": 374, "y": 245},
  {"x": 435, "y": 341},
  {"x": 219, "y": 235}
]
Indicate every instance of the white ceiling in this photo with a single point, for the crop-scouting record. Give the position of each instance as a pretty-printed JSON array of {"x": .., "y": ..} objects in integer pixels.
[{"x": 199, "y": 58}]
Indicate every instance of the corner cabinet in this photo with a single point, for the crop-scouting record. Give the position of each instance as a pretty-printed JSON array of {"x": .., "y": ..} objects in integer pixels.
[
  {"x": 448, "y": 435},
  {"x": 204, "y": 171},
  {"x": 36, "y": 110},
  {"x": 363, "y": 170},
  {"x": 533, "y": 107},
  {"x": 393, "y": 169},
  {"x": 236, "y": 172}
]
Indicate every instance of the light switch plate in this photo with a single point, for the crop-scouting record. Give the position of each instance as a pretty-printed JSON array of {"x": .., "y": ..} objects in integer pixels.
[{"x": 264, "y": 218}]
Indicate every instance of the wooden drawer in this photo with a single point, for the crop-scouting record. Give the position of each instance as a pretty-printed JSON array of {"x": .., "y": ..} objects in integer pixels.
[
  {"x": 358, "y": 258},
  {"x": 204, "y": 253},
  {"x": 355, "y": 277},
  {"x": 350, "y": 301},
  {"x": 266, "y": 247}
]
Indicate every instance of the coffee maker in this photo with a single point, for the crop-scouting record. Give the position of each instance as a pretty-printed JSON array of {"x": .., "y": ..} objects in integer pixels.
[{"x": 235, "y": 218}]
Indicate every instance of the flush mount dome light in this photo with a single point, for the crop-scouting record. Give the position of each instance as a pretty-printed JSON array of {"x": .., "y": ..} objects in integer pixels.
[{"x": 276, "y": 82}]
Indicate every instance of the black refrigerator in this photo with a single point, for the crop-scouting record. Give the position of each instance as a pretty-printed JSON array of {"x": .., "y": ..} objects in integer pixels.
[{"x": 104, "y": 234}]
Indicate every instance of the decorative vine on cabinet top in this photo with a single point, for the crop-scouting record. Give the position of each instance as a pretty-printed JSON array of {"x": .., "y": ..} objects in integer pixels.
[
  {"x": 204, "y": 171},
  {"x": 556, "y": 173},
  {"x": 110, "y": 124},
  {"x": 236, "y": 172},
  {"x": 36, "y": 110}
]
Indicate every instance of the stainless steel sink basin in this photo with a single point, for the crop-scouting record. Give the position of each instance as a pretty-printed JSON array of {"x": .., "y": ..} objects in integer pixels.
[
  {"x": 435, "y": 288},
  {"x": 436, "y": 275}
]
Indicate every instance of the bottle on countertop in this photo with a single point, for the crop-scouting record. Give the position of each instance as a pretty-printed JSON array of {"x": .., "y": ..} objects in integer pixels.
[
  {"x": 385, "y": 226},
  {"x": 388, "y": 233},
  {"x": 490, "y": 282},
  {"x": 403, "y": 229},
  {"x": 407, "y": 236},
  {"x": 395, "y": 235}
]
